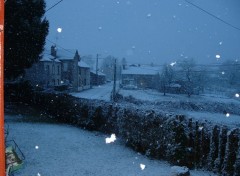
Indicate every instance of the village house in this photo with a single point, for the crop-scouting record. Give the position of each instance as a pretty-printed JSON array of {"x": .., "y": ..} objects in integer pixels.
[
  {"x": 59, "y": 67},
  {"x": 98, "y": 78},
  {"x": 137, "y": 76}
]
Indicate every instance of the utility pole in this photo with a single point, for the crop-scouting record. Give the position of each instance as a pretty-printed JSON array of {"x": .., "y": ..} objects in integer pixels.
[
  {"x": 114, "y": 80},
  {"x": 97, "y": 70},
  {"x": 2, "y": 135}
]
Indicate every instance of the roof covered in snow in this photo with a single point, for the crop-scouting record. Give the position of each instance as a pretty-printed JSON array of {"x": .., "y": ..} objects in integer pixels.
[
  {"x": 141, "y": 70},
  {"x": 48, "y": 58},
  {"x": 66, "y": 54},
  {"x": 83, "y": 64},
  {"x": 98, "y": 73}
]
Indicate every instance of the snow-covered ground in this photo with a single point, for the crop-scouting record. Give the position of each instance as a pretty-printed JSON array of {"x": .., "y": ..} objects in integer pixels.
[
  {"x": 103, "y": 92},
  {"x": 64, "y": 150}
]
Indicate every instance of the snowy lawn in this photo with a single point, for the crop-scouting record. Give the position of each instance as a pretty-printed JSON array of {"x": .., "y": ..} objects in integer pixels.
[
  {"x": 103, "y": 92},
  {"x": 57, "y": 149}
]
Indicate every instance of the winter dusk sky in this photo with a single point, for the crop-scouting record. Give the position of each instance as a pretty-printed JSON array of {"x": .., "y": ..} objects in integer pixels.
[{"x": 147, "y": 31}]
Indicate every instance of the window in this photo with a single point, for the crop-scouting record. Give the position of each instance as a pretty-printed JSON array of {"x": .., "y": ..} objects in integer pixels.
[
  {"x": 47, "y": 69},
  {"x": 53, "y": 69},
  {"x": 65, "y": 67},
  {"x": 58, "y": 70}
]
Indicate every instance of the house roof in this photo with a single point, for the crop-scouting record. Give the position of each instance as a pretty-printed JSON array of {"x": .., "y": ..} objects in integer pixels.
[
  {"x": 62, "y": 54},
  {"x": 83, "y": 64},
  {"x": 141, "y": 70},
  {"x": 46, "y": 58},
  {"x": 98, "y": 73},
  {"x": 67, "y": 54}
]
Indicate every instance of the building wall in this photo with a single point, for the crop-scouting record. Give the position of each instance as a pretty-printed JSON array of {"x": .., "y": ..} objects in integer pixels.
[
  {"x": 44, "y": 74},
  {"x": 84, "y": 78},
  {"x": 141, "y": 81}
]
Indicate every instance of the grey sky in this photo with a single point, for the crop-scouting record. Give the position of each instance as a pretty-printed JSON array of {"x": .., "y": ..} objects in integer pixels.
[{"x": 146, "y": 31}]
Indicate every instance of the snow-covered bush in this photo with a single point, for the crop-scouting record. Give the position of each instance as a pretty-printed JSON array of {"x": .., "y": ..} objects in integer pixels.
[{"x": 179, "y": 171}]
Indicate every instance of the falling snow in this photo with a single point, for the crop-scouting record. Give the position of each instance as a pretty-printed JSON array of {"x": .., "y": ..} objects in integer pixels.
[
  {"x": 200, "y": 128},
  {"x": 36, "y": 147},
  {"x": 218, "y": 56},
  {"x": 142, "y": 166},
  {"x": 111, "y": 139},
  {"x": 149, "y": 15},
  {"x": 237, "y": 95},
  {"x": 173, "y": 63},
  {"x": 227, "y": 115},
  {"x": 59, "y": 30}
]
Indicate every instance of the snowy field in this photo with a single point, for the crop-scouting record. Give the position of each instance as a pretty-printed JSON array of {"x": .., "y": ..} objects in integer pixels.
[
  {"x": 64, "y": 150},
  {"x": 103, "y": 92}
]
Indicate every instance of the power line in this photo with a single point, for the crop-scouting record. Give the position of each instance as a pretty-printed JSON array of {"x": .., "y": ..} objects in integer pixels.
[
  {"x": 54, "y": 5},
  {"x": 214, "y": 16}
]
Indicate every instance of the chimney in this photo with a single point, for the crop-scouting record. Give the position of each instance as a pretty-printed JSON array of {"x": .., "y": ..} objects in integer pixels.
[
  {"x": 77, "y": 56},
  {"x": 53, "y": 51}
]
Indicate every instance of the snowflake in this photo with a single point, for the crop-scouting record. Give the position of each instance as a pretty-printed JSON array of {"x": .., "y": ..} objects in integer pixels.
[
  {"x": 200, "y": 128},
  {"x": 36, "y": 147},
  {"x": 227, "y": 115},
  {"x": 173, "y": 63},
  {"x": 237, "y": 95},
  {"x": 149, "y": 15},
  {"x": 218, "y": 56},
  {"x": 111, "y": 139},
  {"x": 142, "y": 166},
  {"x": 59, "y": 30}
]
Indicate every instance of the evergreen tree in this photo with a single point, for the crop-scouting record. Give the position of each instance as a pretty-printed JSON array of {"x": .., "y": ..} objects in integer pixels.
[{"x": 25, "y": 33}]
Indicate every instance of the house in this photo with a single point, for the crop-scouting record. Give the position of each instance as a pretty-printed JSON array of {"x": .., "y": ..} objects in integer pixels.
[
  {"x": 84, "y": 76},
  {"x": 45, "y": 73},
  {"x": 98, "y": 78},
  {"x": 137, "y": 76},
  {"x": 60, "y": 67}
]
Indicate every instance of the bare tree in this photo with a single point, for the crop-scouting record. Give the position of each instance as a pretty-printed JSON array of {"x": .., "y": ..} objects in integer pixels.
[
  {"x": 166, "y": 77},
  {"x": 107, "y": 67},
  {"x": 187, "y": 75}
]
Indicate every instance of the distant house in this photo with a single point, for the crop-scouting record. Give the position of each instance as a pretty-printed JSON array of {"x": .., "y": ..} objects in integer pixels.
[
  {"x": 98, "y": 78},
  {"x": 137, "y": 76},
  {"x": 60, "y": 67}
]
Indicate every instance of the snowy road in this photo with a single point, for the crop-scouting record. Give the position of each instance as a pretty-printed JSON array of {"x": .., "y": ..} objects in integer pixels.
[
  {"x": 101, "y": 92},
  {"x": 63, "y": 150}
]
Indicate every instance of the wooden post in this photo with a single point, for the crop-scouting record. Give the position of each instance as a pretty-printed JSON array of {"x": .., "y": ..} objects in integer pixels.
[{"x": 2, "y": 140}]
